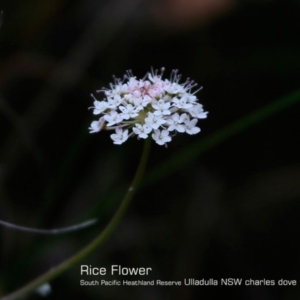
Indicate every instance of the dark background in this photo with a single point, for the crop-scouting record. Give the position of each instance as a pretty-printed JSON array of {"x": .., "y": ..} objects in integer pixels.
[{"x": 231, "y": 212}]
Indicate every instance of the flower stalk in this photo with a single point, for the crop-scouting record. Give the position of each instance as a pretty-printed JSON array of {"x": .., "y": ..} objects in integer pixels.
[
  {"x": 49, "y": 231},
  {"x": 98, "y": 241}
]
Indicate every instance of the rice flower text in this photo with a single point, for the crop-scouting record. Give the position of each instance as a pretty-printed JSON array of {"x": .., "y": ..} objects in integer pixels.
[{"x": 151, "y": 106}]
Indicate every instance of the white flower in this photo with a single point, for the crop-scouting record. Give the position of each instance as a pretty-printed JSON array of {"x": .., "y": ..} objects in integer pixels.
[
  {"x": 114, "y": 101},
  {"x": 198, "y": 112},
  {"x": 190, "y": 126},
  {"x": 182, "y": 103},
  {"x": 173, "y": 88},
  {"x": 154, "y": 121},
  {"x": 148, "y": 108},
  {"x": 175, "y": 121},
  {"x": 146, "y": 100},
  {"x": 99, "y": 107},
  {"x": 120, "y": 136},
  {"x": 161, "y": 137},
  {"x": 162, "y": 108},
  {"x": 128, "y": 112},
  {"x": 113, "y": 118},
  {"x": 118, "y": 90},
  {"x": 142, "y": 131},
  {"x": 96, "y": 126},
  {"x": 191, "y": 98},
  {"x": 154, "y": 78}
]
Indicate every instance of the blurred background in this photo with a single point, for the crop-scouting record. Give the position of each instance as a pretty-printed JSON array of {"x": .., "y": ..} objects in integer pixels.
[{"x": 232, "y": 211}]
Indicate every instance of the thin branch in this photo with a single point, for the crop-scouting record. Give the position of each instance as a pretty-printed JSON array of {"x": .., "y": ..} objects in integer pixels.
[
  {"x": 49, "y": 231},
  {"x": 98, "y": 241}
]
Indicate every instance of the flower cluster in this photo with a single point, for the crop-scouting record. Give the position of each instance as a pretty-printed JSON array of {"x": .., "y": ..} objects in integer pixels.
[{"x": 151, "y": 106}]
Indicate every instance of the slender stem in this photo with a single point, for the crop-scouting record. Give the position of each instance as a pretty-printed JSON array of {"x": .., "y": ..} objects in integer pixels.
[
  {"x": 49, "y": 231},
  {"x": 99, "y": 240},
  {"x": 181, "y": 158}
]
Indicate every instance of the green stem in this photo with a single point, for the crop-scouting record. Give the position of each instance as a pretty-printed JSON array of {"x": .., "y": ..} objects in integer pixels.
[
  {"x": 99, "y": 240},
  {"x": 179, "y": 159}
]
